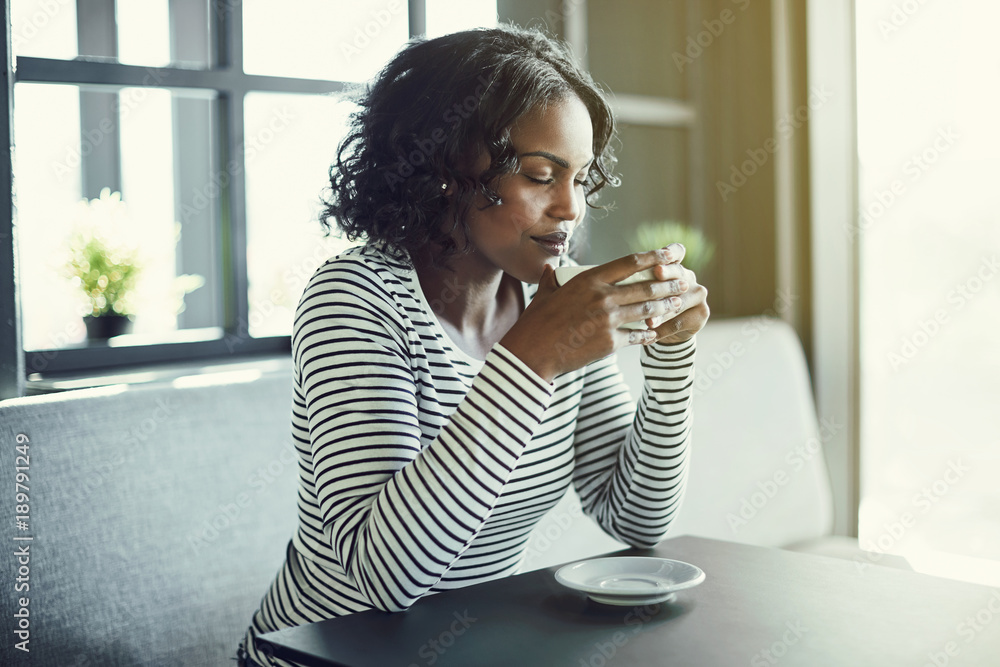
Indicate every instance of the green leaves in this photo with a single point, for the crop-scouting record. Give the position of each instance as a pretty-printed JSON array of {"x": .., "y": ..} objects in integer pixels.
[
  {"x": 104, "y": 268},
  {"x": 653, "y": 235}
]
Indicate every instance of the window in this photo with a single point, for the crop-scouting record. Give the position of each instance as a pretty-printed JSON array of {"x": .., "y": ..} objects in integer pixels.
[
  {"x": 198, "y": 135},
  {"x": 929, "y": 238}
]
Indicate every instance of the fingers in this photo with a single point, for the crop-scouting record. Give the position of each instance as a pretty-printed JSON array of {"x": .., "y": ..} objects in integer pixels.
[
  {"x": 623, "y": 267},
  {"x": 677, "y": 250},
  {"x": 650, "y": 310},
  {"x": 688, "y": 320},
  {"x": 547, "y": 283},
  {"x": 641, "y": 337},
  {"x": 658, "y": 300},
  {"x": 652, "y": 290}
]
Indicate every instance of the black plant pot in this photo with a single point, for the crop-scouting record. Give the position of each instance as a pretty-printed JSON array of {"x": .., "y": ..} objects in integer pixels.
[{"x": 104, "y": 327}]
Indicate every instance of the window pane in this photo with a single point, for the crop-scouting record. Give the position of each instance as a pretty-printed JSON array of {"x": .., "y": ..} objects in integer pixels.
[
  {"x": 294, "y": 140},
  {"x": 143, "y": 32},
  {"x": 134, "y": 32},
  {"x": 444, "y": 16},
  {"x": 168, "y": 180},
  {"x": 319, "y": 39},
  {"x": 47, "y": 191},
  {"x": 55, "y": 162},
  {"x": 43, "y": 28},
  {"x": 929, "y": 234}
]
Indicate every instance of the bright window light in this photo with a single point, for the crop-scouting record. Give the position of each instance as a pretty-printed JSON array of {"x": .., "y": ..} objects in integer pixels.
[
  {"x": 929, "y": 234},
  {"x": 43, "y": 29},
  {"x": 294, "y": 140},
  {"x": 319, "y": 39},
  {"x": 446, "y": 16},
  {"x": 143, "y": 32}
]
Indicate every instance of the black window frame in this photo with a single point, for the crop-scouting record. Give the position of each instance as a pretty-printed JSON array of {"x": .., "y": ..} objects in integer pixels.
[{"x": 222, "y": 75}]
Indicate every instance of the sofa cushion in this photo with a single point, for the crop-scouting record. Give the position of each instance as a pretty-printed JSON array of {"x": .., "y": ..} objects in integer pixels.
[{"x": 159, "y": 514}]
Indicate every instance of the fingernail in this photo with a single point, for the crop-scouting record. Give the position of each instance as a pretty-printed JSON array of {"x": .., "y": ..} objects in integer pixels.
[
  {"x": 682, "y": 285},
  {"x": 675, "y": 303}
]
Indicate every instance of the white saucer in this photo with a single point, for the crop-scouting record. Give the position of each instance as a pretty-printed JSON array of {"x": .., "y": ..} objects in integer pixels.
[{"x": 630, "y": 580}]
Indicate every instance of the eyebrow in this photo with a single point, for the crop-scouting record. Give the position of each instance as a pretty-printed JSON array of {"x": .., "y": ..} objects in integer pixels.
[{"x": 552, "y": 158}]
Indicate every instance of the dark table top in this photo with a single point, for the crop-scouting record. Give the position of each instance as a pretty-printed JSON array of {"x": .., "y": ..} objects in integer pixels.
[{"x": 757, "y": 607}]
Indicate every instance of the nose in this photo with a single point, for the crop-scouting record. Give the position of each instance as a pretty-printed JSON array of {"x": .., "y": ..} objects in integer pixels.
[{"x": 567, "y": 202}]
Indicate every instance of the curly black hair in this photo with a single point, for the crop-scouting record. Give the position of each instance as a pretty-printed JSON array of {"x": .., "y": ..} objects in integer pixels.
[{"x": 430, "y": 113}]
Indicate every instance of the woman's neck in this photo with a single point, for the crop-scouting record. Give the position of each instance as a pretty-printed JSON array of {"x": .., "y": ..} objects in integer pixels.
[{"x": 475, "y": 302}]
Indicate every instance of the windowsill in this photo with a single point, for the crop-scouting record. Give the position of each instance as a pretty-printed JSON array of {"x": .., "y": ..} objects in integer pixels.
[{"x": 185, "y": 373}]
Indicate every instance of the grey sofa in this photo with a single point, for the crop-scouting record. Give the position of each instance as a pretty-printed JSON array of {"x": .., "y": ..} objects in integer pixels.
[{"x": 158, "y": 515}]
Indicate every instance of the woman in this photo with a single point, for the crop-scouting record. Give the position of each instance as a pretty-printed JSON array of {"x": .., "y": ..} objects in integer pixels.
[{"x": 447, "y": 391}]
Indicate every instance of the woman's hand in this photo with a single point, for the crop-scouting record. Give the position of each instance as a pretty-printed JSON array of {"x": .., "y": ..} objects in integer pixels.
[
  {"x": 693, "y": 313},
  {"x": 566, "y": 328}
]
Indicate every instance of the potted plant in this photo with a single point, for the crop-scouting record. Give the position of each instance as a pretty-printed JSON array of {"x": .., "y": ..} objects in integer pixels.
[
  {"x": 109, "y": 251},
  {"x": 652, "y": 235},
  {"x": 104, "y": 266}
]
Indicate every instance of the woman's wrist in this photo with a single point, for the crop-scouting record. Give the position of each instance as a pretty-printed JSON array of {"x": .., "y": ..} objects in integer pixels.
[{"x": 529, "y": 355}]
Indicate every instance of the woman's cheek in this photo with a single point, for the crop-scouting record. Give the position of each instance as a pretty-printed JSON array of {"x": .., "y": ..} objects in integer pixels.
[
  {"x": 524, "y": 215},
  {"x": 519, "y": 222}
]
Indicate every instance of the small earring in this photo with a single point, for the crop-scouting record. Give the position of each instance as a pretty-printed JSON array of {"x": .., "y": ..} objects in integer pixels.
[{"x": 444, "y": 186}]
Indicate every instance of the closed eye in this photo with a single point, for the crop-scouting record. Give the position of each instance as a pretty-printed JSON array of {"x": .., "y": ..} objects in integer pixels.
[{"x": 549, "y": 181}]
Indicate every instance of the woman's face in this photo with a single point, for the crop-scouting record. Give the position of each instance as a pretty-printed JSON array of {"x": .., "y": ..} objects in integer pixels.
[{"x": 543, "y": 203}]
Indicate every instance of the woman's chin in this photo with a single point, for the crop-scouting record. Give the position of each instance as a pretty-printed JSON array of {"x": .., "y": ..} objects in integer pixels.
[{"x": 534, "y": 275}]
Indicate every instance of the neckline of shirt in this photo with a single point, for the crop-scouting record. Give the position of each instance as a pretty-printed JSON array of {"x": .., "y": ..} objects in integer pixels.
[{"x": 404, "y": 269}]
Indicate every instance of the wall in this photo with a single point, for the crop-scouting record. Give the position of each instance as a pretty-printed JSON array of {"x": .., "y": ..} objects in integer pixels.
[{"x": 719, "y": 57}]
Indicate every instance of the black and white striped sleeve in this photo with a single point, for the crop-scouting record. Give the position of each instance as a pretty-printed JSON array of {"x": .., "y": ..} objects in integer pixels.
[
  {"x": 398, "y": 515},
  {"x": 631, "y": 461}
]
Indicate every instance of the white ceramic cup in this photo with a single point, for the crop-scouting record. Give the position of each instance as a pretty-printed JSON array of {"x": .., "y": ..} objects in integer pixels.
[{"x": 566, "y": 273}]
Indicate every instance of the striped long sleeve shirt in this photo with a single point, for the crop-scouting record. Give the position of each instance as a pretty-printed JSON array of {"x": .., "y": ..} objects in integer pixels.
[{"x": 423, "y": 469}]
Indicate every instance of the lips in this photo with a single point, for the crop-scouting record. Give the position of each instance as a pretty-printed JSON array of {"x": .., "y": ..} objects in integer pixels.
[
  {"x": 555, "y": 244},
  {"x": 555, "y": 237}
]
